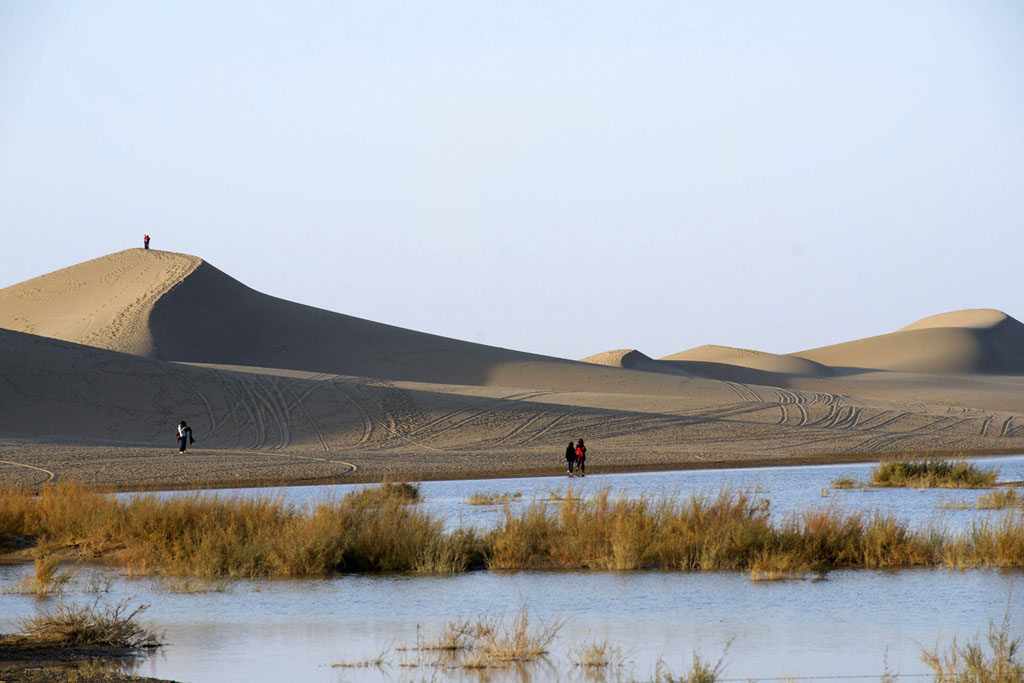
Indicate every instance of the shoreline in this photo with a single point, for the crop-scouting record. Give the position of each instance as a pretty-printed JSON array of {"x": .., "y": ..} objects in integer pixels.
[{"x": 359, "y": 476}]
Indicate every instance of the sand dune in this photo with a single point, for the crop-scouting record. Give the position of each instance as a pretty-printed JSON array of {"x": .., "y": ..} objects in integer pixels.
[
  {"x": 631, "y": 359},
  {"x": 961, "y": 342},
  {"x": 755, "y": 360},
  {"x": 177, "y": 307},
  {"x": 100, "y": 360}
]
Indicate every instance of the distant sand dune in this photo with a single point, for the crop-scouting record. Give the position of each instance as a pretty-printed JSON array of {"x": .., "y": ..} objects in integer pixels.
[
  {"x": 961, "y": 342},
  {"x": 99, "y": 361},
  {"x": 756, "y": 360}
]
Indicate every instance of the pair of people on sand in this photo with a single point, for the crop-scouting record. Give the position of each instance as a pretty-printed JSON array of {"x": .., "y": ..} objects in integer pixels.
[
  {"x": 184, "y": 436},
  {"x": 576, "y": 454}
]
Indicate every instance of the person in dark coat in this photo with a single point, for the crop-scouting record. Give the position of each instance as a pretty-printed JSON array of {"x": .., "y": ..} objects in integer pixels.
[
  {"x": 581, "y": 458},
  {"x": 184, "y": 436},
  {"x": 570, "y": 457},
  {"x": 145, "y": 241}
]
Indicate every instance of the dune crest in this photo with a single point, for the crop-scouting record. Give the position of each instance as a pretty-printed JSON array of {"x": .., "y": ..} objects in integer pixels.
[
  {"x": 618, "y": 358},
  {"x": 755, "y": 360},
  {"x": 980, "y": 341},
  {"x": 105, "y": 302},
  {"x": 979, "y": 318}
]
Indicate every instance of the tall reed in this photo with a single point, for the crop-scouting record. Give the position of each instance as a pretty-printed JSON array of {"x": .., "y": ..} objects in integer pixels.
[
  {"x": 210, "y": 537},
  {"x": 734, "y": 531},
  {"x": 201, "y": 535}
]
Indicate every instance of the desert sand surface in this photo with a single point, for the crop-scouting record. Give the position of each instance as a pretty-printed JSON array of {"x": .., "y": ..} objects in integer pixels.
[{"x": 99, "y": 362}]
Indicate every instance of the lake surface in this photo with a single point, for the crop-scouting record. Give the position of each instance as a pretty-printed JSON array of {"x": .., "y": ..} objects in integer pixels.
[
  {"x": 790, "y": 489},
  {"x": 844, "y": 625}
]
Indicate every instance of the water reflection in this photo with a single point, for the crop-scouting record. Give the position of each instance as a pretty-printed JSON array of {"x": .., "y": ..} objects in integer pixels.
[{"x": 297, "y": 630}]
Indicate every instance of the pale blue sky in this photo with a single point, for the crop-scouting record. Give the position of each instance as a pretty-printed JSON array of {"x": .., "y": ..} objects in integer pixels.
[{"x": 557, "y": 177}]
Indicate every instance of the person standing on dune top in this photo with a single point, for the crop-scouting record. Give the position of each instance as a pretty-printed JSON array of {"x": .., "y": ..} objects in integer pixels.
[
  {"x": 581, "y": 458},
  {"x": 145, "y": 241},
  {"x": 570, "y": 456}
]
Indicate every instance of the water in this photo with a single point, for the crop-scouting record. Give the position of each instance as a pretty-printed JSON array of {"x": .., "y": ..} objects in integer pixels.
[
  {"x": 843, "y": 625},
  {"x": 295, "y": 630},
  {"x": 790, "y": 489}
]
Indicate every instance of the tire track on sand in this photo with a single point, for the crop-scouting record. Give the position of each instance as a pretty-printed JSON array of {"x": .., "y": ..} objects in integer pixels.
[
  {"x": 745, "y": 393},
  {"x": 791, "y": 398},
  {"x": 370, "y": 421},
  {"x": 50, "y": 476},
  {"x": 312, "y": 423},
  {"x": 551, "y": 425}
]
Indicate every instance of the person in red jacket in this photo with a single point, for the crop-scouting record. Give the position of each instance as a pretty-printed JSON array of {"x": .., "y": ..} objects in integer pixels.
[
  {"x": 145, "y": 241},
  {"x": 581, "y": 458}
]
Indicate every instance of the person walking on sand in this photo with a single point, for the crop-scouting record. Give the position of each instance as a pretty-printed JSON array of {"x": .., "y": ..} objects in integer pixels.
[
  {"x": 184, "y": 436},
  {"x": 145, "y": 241},
  {"x": 581, "y": 458},
  {"x": 570, "y": 456}
]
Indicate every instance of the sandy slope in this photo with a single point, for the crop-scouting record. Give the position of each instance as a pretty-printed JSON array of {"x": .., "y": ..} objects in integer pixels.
[
  {"x": 99, "y": 416},
  {"x": 280, "y": 391},
  {"x": 177, "y": 307},
  {"x": 961, "y": 342}
]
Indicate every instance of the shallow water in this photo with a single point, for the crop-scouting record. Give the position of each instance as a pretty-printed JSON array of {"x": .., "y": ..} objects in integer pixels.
[
  {"x": 790, "y": 489},
  {"x": 295, "y": 630},
  {"x": 841, "y": 626}
]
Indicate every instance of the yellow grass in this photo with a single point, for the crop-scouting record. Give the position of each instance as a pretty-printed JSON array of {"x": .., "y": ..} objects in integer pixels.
[
  {"x": 493, "y": 498},
  {"x": 593, "y": 654},
  {"x": 193, "y": 535},
  {"x": 210, "y": 536},
  {"x": 1000, "y": 499},
  {"x": 971, "y": 661},
  {"x": 933, "y": 474}
]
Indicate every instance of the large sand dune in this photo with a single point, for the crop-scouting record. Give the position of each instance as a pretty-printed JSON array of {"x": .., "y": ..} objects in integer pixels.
[
  {"x": 99, "y": 361},
  {"x": 177, "y": 307},
  {"x": 961, "y": 342}
]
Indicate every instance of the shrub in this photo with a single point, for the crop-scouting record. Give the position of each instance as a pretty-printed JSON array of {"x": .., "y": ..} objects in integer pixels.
[
  {"x": 933, "y": 474},
  {"x": 91, "y": 625}
]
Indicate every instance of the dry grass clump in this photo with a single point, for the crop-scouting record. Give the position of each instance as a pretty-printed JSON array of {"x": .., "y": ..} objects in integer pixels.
[
  {"x": 385, "y": 493},
  {"x": 48, "y": 577},
  {"x": 701, "y": 671},
  {"x": 622, "y": 534},
  {"x": 594, "y": 654},
  {"x": 845, "y": 483},
  {"x": 493, "y": 498},
  {"x": 488, "y": 642},
  {"x": 971, "y": 662},
  {"x": 988, "y": 543},
  {"x": 91, "y": 625},
  {"x": 516, "y": 642},
  {"x": 378, "y": 662},
  {"x": 1000, "y": 499},
  {"x": 190, "y": 585},
  {"x": 732, "y": 531},
  {"x": 209, "y": 536},
  {"x": 955, "y": 474}
]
